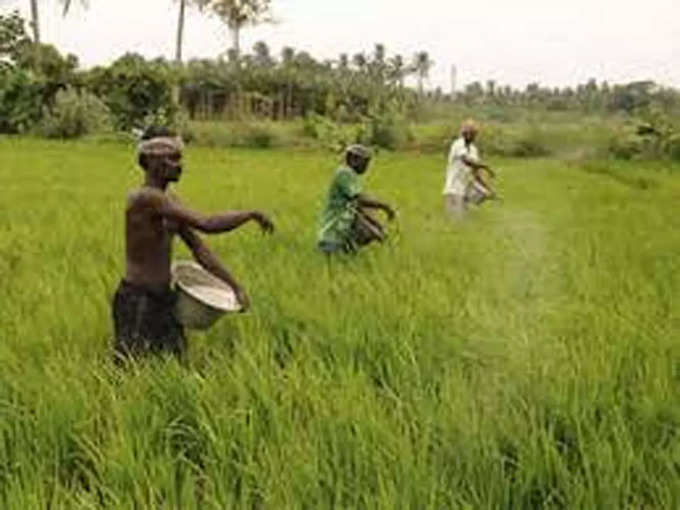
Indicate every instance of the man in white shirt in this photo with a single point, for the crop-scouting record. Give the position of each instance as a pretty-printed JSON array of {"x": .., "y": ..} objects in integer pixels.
[{"x": 463, "y": 177}]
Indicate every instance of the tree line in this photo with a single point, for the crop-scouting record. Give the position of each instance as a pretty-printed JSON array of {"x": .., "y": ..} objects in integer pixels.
[
  {"x": 291, "y": 84},
  {"x": 348, "y": 88},
  {"x": 588, "y": 97}
]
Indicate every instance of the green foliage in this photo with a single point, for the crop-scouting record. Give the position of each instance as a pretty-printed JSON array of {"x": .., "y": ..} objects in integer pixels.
[
  {"x": 254, "y": 135},
  {"x": 176, "y": 120},
  {"x": 134, "y": 88},
  {"x": 296, "y": 85},
  {"x": 331, "y": 135},
  {"x": 655, "y": 135},
  {"x": 75, "y": 114},
  {"x": 30, "y": 76},
  {"x": 626, "y": 146},
  {"x": 258, "y": 136},
  {"x": 673, "y": 146},
  {"x": 388, "y": 129},
  {"x": 530, "y": 144},
  {"x": 45, "y": 61},
  {"x": 590, "y": 97},
  {"x": 13, "y": 39},
  {"x": 524, "y": 141},
  {"x": 20, "y": 101}
]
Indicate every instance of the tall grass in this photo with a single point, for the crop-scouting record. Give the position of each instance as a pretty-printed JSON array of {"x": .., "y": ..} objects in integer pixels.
[{"x": 528, "y": 358}]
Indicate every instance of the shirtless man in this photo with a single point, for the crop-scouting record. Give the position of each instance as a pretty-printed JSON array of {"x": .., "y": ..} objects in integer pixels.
[{"x": 143, "y": 305}]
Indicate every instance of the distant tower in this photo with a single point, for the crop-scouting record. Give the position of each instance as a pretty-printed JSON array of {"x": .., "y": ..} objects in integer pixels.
[{"x": 454, "y": 79}]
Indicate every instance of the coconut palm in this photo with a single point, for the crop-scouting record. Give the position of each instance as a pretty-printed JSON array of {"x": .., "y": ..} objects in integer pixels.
[
  {"x": 35, "y": 21},
  {"x": 35, "y": 16},
  {"x": 422, "y": 65},
  {"x": 237, "y": 14},
  {"x": 183, "y": 4}
]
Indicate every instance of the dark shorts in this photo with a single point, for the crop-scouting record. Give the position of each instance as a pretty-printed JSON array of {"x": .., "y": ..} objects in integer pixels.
[{"x": 144, "y": 322}]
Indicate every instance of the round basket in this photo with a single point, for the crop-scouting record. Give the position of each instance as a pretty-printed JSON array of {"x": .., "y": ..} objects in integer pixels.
[{"x": 202, "y": 298}]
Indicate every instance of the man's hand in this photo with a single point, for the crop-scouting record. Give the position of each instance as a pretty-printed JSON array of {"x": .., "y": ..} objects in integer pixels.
[
  {"x": 242, "y": 298},
  {"x": 265, "y": 223}
]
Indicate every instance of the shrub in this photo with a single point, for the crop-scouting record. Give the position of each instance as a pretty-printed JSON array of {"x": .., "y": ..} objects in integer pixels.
[
  {"x": 258, "y": 136},
  {"x": 527, "y": 143},
  {"x": 530, "y": 144},
  {"x": 20, "y": 101},
  {"x": 495, "y": 141},
  {"x": 673, "y": 146},
  {"x": 75, "y": 114},
  {"x": 177, "y": 122},
  {"x": 247, "y": 135},
  {"x": 331, "y": 135},
  {"x": 134, "y": 88},
  {"x": 388, "y": 131},
  {"x": 627, "y": 146}
]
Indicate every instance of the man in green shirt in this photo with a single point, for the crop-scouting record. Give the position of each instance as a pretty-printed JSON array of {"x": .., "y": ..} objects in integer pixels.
[{"x": 345, "y": 222}]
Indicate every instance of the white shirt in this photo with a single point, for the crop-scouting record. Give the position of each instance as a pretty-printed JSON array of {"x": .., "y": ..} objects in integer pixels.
[{"x": 458, "y": 175}]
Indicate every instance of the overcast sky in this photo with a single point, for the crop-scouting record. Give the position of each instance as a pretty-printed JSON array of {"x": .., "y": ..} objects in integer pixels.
[{"x": 516, "y": 42}]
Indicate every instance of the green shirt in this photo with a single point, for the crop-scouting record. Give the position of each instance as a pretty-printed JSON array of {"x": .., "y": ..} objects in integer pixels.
[{"x": 338, "y": 216}]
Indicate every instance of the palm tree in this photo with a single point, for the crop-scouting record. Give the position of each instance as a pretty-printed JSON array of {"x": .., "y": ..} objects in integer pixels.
[
  {"x": 422, "y": 65},
  {"x": 360, "y": 61},
  {"x": 287, "y": 55},
  {"x": 183, "y": 4},
  {"x": 180, "y": 30},
  {"x": 397, "y": 70},
  {"x": 67, "y": 5},
  {"x": 35, "y": 21},
  {"x": 35, "y": 16},
  {"x": 239, "y": 13}
]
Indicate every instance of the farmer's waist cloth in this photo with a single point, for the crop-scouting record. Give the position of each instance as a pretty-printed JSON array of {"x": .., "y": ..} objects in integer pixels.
[
  {"x": 144, "y": 319},
  {"x": 164, "y": 295}
]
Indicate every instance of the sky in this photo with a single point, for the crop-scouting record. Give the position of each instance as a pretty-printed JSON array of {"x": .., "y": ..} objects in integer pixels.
[{"x": 555, "y": 43}]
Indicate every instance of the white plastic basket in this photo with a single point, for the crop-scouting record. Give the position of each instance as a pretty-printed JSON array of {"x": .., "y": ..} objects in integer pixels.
[{"x": 202, "y": 298}]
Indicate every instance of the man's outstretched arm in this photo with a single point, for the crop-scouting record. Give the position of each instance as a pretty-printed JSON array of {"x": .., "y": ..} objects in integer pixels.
[{"x": 172, "y": 210}]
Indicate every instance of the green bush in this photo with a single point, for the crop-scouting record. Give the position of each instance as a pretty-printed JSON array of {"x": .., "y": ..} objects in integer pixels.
[
  {"x": 134, "y": 88},
  {"x": 495, "y": 141},
  {"x": 258, "y": 136},
  {"x": 331, "y": 135},
  {"x": 245, "y": 135},
  {"x": 75, "y": 114},
  {"x": 20, "y": 101},
  {"x": 673, "y": 146},
  {"x": 530, "y": 144},
  {"x": 388, "y": 131},
  {"x": 432, "y": 138},
  {"x": 177, "y": 122},
  {"x": 626, "y": 147}
]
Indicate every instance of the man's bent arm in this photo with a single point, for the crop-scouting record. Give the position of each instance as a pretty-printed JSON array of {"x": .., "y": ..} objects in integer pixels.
[
  {"x": 477, "y": 165},
  {"x": 371, "y": 203},
  {"x": 207, "y": 259}
]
